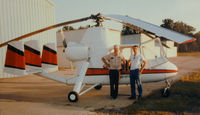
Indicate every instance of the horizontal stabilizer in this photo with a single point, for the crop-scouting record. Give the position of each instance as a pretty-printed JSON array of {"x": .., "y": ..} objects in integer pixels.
[{"x": 15, "y": 59}]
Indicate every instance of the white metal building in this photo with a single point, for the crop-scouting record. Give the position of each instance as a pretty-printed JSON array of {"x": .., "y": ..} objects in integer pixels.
[{"x": 19, "y": 17}]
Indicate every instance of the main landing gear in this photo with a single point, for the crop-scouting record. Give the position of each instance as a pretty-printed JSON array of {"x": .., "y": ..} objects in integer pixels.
[
  {"x": 166, "y": 92},
  {"x": 98, "y": 87},
  {"x": 73, "y": 96}
]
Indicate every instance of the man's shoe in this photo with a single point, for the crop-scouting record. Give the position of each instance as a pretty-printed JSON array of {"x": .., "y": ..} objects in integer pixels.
[
  {"x": 139, "y": 98},
  {"x": 132, "y": 98},
  {"x": 115, "y": 97}
]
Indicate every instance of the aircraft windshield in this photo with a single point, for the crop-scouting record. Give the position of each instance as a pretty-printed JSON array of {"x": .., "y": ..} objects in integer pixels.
[{"x": 153, "y": 52}]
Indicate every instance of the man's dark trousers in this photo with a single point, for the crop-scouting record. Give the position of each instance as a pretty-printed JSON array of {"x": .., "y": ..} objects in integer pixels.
[
  {"x": 135, "y": 79},
  {"x": 114, "y": 82}
]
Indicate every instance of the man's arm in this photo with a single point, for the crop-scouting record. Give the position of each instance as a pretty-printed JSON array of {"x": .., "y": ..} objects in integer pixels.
[
  {"x": 124, "y": 61},
  {"x": 129, "y": 63},
  {"x": 143, "y": 65},
  {"x": 105, "y": 62}
]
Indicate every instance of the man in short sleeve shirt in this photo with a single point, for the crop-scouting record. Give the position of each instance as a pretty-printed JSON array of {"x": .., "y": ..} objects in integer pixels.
[
  {"x": 137, "y": 64},
  {"x": 113, "y": 62}
]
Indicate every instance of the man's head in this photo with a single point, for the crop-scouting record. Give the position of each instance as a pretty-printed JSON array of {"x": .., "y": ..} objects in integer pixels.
[
  {"x": 116, "y": 49},
  {"x": 135, "y": 48}
]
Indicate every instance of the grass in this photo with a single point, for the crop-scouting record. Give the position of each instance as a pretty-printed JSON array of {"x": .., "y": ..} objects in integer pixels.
[
  {"x": 184, "y": 99},
  {"x": 189, "y": 54}
]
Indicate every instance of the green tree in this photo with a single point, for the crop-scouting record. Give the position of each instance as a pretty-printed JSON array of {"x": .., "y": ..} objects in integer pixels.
[
  {"x": 68, "y": 28},
  {"x": 168, "y": 23},
  {"x": 183, "y": 28},
  {"x": 128, "y": 31}
]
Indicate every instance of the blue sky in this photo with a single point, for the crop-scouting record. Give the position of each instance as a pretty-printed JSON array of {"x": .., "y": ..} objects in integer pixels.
[{"x": 153, "y": 11}]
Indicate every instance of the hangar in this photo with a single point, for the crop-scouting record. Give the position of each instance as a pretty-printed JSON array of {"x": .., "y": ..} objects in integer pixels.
[{"x": 19, "y": 17}]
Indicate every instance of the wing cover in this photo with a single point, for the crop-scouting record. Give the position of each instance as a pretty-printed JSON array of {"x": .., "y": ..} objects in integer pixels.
[
  {"x": 157, "y": 30},
  {"x": 32, "y": 56},
  {"x": 49, "y": 57},
  {"x": 15, "y": 59}
]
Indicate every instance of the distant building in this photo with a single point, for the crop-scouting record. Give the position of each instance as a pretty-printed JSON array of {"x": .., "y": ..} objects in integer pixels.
[{"x": 19, "y": 17}]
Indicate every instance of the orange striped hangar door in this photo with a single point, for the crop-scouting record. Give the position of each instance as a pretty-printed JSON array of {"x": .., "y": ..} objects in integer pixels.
[
  {"x": 15, "y": 59},
  {"x": 32, "y": 56},
  {"x": 49, "y": 57}
]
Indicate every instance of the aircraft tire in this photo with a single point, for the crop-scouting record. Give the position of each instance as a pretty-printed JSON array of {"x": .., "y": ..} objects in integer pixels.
[
  {"x": 98, "y": 87},
  {"x": 73, "y": 96}
]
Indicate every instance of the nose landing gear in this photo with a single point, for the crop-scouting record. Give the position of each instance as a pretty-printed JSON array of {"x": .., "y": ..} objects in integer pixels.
[
  {"x": 166, "y": 92},
  {"x": 73, "y": 96}
]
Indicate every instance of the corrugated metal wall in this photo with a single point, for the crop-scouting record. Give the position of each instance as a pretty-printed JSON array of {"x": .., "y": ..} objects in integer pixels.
[{"x": 19, "y": 17}]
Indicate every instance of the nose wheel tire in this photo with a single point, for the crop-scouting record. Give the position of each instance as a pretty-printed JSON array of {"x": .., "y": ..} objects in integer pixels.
[
  {"x": 165, "y": 92},
  {"x": 73, "y": 96},
  {"x": 98, "y": 87}
]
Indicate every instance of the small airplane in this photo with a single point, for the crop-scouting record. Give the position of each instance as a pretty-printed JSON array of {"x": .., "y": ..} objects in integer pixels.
[{"x": 24, "y": 58}]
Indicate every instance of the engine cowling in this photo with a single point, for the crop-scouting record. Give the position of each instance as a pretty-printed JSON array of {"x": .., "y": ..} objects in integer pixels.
[{"x": 76, "y": 51}]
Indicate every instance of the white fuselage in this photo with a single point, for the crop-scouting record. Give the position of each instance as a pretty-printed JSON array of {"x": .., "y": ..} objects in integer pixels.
[
  {"x": 160, "y": 73},
  {"x": 100, "y": 40}
]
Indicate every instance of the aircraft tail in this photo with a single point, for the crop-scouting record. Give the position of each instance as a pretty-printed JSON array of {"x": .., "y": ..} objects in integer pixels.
[
  {"x": 24, "y": 58},
  {"x": 49, "y": 57},
  {"x": 15, "y": 59},
  {"x": 32, "y": 56}
]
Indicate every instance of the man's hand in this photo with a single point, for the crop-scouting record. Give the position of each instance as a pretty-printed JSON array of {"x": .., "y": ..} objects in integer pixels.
[
  {"x": 141, "y": 70},
  {"x": 107, "y": 65}
]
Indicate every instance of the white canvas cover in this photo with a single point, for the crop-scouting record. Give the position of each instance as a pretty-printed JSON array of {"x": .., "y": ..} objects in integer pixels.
[{"x": 157, "y": 30}]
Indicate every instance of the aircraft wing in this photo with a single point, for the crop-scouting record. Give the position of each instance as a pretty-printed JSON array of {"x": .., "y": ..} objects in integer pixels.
[{"x": 157, "y": 30}]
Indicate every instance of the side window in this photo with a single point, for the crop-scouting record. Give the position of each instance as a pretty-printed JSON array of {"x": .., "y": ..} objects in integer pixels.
[{"x": 153, "y": 52}]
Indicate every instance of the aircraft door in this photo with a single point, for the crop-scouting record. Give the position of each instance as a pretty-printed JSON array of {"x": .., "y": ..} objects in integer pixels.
[{"x": 153, "y": 52}]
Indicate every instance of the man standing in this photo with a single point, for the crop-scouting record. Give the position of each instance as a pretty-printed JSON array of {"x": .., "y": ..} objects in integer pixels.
[
  {"x": 137, "y": 65},
  {"x": 113, "y": 62}
]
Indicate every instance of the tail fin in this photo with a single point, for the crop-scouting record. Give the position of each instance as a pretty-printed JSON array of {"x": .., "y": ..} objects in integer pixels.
[
  {"x": 32, "y": 56},
  {"x": 15, "y": 60},
  {"x": 49, "y": 57}
]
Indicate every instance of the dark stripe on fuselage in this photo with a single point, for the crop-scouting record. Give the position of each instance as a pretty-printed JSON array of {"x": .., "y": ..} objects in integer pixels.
[{"x": 101, "y": 71}]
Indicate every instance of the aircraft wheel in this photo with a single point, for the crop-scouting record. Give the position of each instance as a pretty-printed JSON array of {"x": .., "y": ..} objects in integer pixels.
[
  {"x": 98, "y": 87},
  {"x": 73, "y": 96},
  {"x": 165, "y": 92}
]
